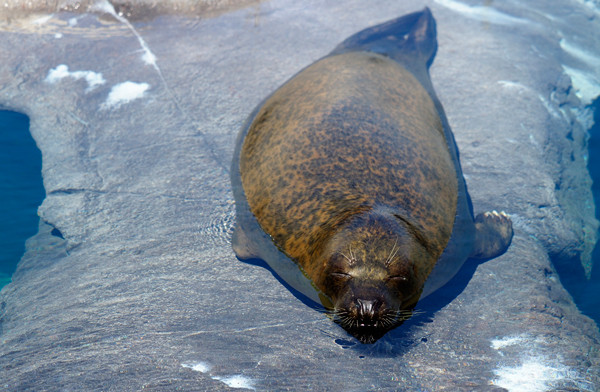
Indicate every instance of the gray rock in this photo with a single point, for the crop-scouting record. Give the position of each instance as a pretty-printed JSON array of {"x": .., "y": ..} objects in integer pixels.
[{"x": 145, "y": 291}]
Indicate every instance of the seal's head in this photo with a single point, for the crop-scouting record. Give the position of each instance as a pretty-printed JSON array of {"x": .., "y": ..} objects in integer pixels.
[{"x": 374, "y": 274}]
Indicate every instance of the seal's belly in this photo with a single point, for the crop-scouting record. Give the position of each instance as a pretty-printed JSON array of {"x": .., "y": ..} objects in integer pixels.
[{"x": 349, "y": 133}]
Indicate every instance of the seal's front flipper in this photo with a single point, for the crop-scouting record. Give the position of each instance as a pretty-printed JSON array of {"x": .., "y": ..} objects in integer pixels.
[
  {"x": 242, "y": 246},
  {"x": 493, "y": 235},
  {"x": 404, "y": 39}
]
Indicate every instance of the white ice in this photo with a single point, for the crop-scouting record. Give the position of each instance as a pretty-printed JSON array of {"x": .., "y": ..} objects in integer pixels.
[
  {"x": 482, "y": 13},
  {"x": 124, "y": 93},
  {"x": 535, "y": 371},
  {"x": 43, "y": 19},
  {"x": 586, "y": 84},
  {"x": 237, "y": 381},
  {"x": 581, "y": 54},
  {"x": 533, "y": 375},
  {"x": 201, "y": 367},
  {"x": 93, "y": 79},
  {"x": 148, "y": 57},
  {"x": 507, "y": 341}
]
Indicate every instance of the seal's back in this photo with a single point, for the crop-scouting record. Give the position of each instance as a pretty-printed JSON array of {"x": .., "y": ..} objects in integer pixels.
[{"x": 353, "y": 132}]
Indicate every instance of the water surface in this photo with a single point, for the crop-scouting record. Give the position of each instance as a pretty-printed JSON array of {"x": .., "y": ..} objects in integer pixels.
[
  {"x": 21, "y": 189},
  {"x": 588, "y": 298}
]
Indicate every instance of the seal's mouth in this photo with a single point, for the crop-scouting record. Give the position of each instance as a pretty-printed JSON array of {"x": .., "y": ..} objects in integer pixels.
[
  {"x": 370, "y": 326},
  {"x": 367, "y": 334},
  {"x": 367, "y": 331}
]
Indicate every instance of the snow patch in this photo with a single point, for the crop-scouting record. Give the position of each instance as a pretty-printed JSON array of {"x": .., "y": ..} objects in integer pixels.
[
  {"x": 533, "y": 375},
  {"x": 93, "y": 79},
  {"x": 201, "y": 367},
  {"x": 579, "y": 53},
  {"x": 104, "y": 6},
  {"x": 124, "y": 93},
  {"x": 518, "y": 86},
  {"x": 591, "y": 4},
  {"x": 510, "y": 84},
  {"x": 235, "y": 381},
  {"x": 528, "y": 367},
  {"x": 507, "y": 341},
  {"x": 586, "y": 84},
  {"x": 482, "y": 13},
  {"x": 42, "y": 20}
]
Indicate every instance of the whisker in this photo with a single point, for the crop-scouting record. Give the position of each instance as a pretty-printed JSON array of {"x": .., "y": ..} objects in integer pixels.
[
  {"x": 352, "y": 257},
  {"x": 392, "y": 254},
  {"x": 346, "y": 257}
]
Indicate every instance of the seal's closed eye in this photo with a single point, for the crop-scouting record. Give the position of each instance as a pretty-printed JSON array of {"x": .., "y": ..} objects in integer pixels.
[{"x": 340, "y": 276}]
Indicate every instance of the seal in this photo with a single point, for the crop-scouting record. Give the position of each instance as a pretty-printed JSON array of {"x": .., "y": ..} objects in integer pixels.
[{"x": 348, "y": 184}]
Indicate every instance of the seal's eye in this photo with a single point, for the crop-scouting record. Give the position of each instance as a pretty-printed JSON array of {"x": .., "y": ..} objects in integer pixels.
[
  {"x": 340, "y": 276},
  {"x": 398, "y": 279},
  {"x": 401, "y": 283}
]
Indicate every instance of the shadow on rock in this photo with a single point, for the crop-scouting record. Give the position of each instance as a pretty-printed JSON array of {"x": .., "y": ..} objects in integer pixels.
[{"x": 404, "y": 337}]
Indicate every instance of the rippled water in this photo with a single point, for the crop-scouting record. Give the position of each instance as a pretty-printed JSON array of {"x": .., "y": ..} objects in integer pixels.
[{"x": 21, "y": 189}]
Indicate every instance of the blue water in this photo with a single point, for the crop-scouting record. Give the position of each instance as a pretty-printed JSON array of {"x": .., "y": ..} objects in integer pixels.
[
  {"x": 21, "y": 190},
  {"x": 588, "y": 299}
]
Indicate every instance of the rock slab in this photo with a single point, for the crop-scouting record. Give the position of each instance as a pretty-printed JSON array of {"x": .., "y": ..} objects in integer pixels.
[{"x": 136, "y": 121}]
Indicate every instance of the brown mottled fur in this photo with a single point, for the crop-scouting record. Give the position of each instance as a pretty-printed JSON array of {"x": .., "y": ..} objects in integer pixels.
[
  {"x": 348, "y": 184},
  {"x": 351, "y": 133}
]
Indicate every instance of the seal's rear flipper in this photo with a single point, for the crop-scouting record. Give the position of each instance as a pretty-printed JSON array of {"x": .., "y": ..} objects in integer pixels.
[
  {"x": 493, "y": 235},
  {"x": 402, "y": 39}
]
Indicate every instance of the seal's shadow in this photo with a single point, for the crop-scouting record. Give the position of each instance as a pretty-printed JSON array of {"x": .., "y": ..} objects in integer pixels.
[
  {"x": 411, "y": 333},
  {"x": 301, "y": 297},
  {"x": 401, "y": 339}
]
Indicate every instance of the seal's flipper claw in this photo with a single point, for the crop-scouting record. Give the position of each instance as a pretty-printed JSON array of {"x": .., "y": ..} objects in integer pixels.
[{"x": 494, "y": 233}]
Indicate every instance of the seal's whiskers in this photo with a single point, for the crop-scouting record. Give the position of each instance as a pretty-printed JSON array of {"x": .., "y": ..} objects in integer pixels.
[{"x": 392, "y": 254}]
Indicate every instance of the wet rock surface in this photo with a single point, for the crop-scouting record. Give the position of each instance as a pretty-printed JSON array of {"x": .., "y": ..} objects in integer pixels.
[{"x": 136, "y": 123}]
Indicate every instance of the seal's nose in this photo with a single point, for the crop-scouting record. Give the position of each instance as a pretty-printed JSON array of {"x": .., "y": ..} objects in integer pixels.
[{"x": 367, "y": 310}]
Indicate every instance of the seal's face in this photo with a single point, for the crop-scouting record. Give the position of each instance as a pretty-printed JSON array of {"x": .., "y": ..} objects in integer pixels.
[{"x": 372, "y": 282}]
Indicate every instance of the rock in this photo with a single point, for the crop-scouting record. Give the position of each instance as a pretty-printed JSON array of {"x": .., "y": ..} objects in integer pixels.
[{"x": 144, "y": 292}]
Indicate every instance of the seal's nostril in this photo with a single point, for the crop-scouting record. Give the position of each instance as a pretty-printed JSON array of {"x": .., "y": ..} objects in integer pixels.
[{"x": 366, "y": 309}]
